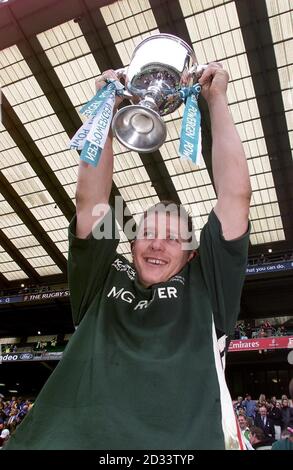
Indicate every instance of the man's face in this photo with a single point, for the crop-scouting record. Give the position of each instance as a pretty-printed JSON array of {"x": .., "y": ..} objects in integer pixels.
[
  {"x": 158, "y": 252},
  {"x": 242, "y": 422},
  {"x": 263, "y": 411}
]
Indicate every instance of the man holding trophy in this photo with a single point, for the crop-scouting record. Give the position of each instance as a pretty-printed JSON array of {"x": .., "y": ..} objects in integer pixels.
[{"x": 145, "y": 367}]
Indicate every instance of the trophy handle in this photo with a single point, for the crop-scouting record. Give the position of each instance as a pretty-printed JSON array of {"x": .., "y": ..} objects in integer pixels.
[
  {"x": 189, "y": 78},
  {"x": 196, "y": 71},
  {"x": 121, "y": 73}
]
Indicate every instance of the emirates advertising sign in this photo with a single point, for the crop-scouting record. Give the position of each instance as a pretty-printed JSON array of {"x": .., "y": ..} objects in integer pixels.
[{"x": 256, "y": 344}]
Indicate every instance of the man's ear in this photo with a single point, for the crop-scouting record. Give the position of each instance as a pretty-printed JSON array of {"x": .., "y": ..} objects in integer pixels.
[{"x": 132, "y": 246}]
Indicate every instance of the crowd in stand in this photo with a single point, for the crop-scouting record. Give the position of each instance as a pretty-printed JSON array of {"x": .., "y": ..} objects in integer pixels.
[
  {"x": 269, "y": 258},
  {"x": 39, "y": 346},
  {"x": 265, "y": 424},
  {"x": 12, "y": 412},
  {"x": 244, "y": 330}
]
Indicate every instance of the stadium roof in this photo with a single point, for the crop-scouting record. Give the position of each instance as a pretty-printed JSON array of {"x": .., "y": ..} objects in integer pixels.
[{"x": 51, "y": 51}]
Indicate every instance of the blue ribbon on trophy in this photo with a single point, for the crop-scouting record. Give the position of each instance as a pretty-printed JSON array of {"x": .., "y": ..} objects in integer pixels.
[
  {"x": 159, "y": 65},
  {"x": 190, "y": 138},
  {"x": 91, "y": 136}
]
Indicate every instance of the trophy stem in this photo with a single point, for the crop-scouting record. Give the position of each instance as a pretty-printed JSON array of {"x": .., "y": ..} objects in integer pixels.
[{"x": 150, "y": 103}]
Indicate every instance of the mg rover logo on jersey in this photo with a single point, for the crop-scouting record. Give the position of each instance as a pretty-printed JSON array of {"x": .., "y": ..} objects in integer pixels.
[{"x": 123, "y": 294}]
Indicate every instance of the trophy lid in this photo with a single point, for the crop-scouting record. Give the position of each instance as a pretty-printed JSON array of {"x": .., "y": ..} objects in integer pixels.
[{"x": 171, "y": 37}]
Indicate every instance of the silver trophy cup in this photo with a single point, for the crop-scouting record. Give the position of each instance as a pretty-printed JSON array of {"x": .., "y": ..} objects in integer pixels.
[{"x": 159, "y": 67}]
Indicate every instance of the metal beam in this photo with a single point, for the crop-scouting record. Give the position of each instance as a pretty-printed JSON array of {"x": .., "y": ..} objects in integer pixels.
[
  {"x": 159, "y": 176},
  {"x": 17, "y": 256},
  {"x": 92, "y": 37},
  {"x": 32, "y": 224},
  {"x": 34, "y": 157},
  {"x": 52, "y": 87},
  {"x": 50, "y": 84},
  {"x": 256, "y": 33},
  {"x": 40, "y": 73},
  {"x": 4, "y": 283},
  {"x": 37, "y": 17}
]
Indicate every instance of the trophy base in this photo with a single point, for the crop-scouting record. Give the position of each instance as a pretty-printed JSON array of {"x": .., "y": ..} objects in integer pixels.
[{"x": 139, "y": 128}]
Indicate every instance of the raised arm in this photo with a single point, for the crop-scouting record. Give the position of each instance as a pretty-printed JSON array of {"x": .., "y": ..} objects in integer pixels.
[
  {"x": 230, "y": 170},
  {"x": 94, "y": 183}
]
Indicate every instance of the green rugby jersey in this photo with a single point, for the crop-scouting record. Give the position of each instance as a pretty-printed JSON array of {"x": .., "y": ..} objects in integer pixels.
[{"x": 145, "y": 366}]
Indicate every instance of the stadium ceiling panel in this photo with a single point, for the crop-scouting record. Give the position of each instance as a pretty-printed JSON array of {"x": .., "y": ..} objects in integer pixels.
[
  {"x": 216, "y": 35},
  {"x": 76, "y": 68},
  {"x": 17, "y": 234},
  {"x": 27, "y": 99},
  {"x": 48, "y": 63}
]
